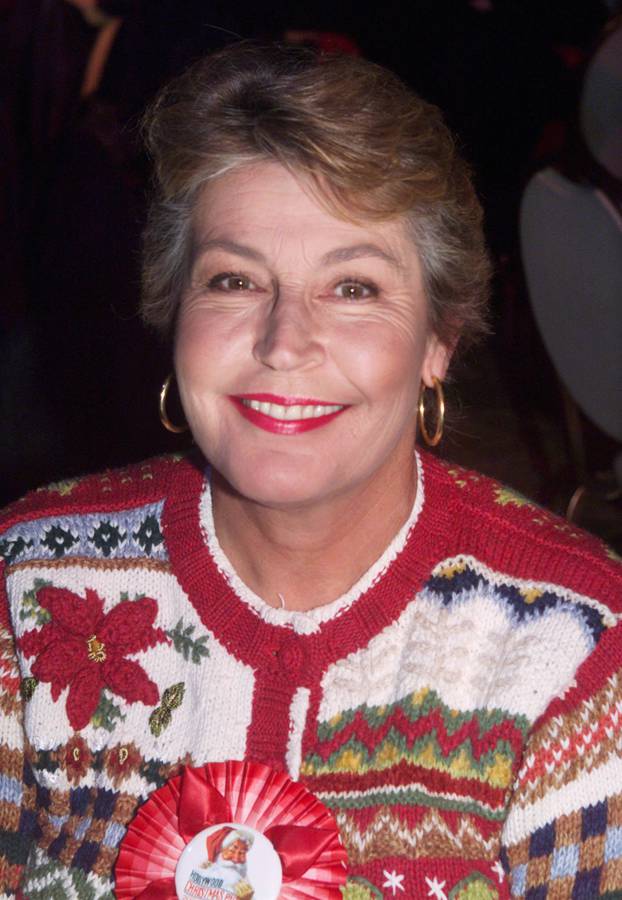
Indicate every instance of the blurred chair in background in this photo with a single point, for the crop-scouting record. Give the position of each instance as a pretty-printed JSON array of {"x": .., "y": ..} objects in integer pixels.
[
  {"x": 600, "y": 107},
  {"x": 571, "y": 245}
]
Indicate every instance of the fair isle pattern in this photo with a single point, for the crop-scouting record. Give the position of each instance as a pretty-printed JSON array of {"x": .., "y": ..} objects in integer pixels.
[
  {"x": 446, "y": 886},
  {"x": 460, "y": 709},
  {"x": 50, "y": 880},
  {"x": 81, "y": 828},
  {"x": 134, "y": 534},
  {"x": 417, "y": 752},
  {"x": 417, "y": 776},
  {"x": 574, "y": 745},
  {"x": 578, "y": 856},
  {"x": 457, "y": 577},
  {"x": 565, "y": 825},
  {"x": 364, "y": 760},
  {"x": 431, "y": 837},
  {"x": 15, "y": 822}
]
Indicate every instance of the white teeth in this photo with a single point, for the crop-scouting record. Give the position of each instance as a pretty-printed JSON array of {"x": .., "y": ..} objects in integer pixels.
[{"x": 291, "y": 413}]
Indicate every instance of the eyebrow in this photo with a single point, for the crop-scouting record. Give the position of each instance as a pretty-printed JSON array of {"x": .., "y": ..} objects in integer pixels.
[
  {"x": 230, "y": 247},
  {"x": 333, "y": 257},
  {"x": 358, "y": 251}
]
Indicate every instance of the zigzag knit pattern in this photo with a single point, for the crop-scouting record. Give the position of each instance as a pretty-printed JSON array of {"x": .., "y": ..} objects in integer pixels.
[{"x": 459, "y": 709}]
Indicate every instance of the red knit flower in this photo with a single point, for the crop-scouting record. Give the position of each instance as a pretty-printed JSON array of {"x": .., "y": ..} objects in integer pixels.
[
  {"x": 77, "y": 758},
  {"x": 121, "y": 761},
  {"x": 85, "y": 649}
]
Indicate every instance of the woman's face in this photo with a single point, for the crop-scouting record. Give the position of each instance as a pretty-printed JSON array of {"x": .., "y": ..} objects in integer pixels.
[{"x": 301, "y": 342}]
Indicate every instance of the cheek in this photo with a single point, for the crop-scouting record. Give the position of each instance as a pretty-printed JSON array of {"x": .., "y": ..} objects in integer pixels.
[
  {"x": 384, "y": 362},
  {"x": 204, "y": 346},
  {"x": 197, "y": 370}
]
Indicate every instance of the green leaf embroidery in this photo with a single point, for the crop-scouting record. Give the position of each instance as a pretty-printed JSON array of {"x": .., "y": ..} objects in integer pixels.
[
  {"x": 125, "y": 595},
  {"x": 30, "y": 605},
  {"x": 107, "y": 713},
  {"x": 27, "y": 687},
  {"x": 191, "y": 648}
]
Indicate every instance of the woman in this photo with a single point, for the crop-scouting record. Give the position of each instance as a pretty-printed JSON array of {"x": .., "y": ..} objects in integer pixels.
[{"x": 434, "y": 658}]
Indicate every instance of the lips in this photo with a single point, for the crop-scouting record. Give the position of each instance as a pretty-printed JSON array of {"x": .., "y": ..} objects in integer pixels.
[{"x": 286, "y": 415}]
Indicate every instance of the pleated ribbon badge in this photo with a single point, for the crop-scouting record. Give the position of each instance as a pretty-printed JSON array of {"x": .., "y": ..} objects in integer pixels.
[{"x": 227, "y": 830}]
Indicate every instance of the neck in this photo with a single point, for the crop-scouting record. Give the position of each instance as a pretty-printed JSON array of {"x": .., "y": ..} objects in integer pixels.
[{"x": 304, "y": 558}]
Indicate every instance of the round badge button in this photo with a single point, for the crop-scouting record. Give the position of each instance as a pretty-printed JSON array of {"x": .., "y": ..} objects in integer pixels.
[{"x": 228, "y": 861}]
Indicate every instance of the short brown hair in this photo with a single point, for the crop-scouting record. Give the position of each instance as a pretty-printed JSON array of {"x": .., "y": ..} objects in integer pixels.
[{"x": 371, "y": 147}]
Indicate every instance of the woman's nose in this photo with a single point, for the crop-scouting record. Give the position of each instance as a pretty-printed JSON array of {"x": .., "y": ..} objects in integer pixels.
[{"x": 288, "y": 337}]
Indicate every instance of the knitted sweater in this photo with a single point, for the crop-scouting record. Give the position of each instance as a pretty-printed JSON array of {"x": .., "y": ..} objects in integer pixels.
[{"x": 458, "y": 709}]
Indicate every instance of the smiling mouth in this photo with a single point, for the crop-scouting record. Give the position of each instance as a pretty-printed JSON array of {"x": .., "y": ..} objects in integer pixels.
[
  {"x": 293, "y": 412},
  {"x": 286, "y": 415}
]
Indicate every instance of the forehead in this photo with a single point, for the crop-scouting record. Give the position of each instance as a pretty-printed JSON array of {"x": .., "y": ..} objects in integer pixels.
[{"x": 265, "y": 201}]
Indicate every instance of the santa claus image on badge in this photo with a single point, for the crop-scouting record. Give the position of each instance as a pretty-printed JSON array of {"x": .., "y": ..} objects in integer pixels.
[
  {"x": 228, "y": 830},
  {"x": 225, "y": 866}
]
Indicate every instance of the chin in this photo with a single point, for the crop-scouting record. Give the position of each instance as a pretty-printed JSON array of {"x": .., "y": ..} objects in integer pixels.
[{"x": 280, "y": 483}]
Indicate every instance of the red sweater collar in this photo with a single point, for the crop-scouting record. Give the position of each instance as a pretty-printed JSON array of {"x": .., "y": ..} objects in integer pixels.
[{"x": 245, "y": 633}]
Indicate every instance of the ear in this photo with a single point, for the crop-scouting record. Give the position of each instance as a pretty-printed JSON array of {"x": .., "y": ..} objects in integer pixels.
[{"x": 436, "y": 360}]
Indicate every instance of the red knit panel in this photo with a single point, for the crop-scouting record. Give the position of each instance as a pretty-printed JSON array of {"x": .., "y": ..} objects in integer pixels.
[
  {"x": 516, "y": 537},
  {"x": 113, "y": 490},
  {"x": 269, "y": 729}
]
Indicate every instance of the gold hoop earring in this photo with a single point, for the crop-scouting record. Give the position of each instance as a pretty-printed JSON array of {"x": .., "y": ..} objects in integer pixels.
[
  {"x": 175, "y": 429},
  {"x": 440, "y": 413}
]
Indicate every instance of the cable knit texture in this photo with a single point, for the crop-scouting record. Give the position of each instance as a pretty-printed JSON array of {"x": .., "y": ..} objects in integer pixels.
[{"x": 459, "y": 709}]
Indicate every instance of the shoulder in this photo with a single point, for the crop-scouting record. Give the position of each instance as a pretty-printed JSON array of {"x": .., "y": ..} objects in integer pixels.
[
  {"x": 487, "y": 521},
  {"x": 53, "y": 510},
  {"x": 130, "y": 484}
]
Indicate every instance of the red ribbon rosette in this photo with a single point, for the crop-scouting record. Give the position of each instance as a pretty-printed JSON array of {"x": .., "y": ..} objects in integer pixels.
[{"x": 231, "y": 829}]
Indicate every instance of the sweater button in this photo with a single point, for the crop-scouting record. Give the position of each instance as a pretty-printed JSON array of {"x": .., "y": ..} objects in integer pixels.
[
  {"x": 271, "y": 657},
  {"x": 291, "y": 658}
]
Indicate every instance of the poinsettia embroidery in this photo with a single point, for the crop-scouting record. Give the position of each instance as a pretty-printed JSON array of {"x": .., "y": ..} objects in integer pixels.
[{"x": 85, "y": 649}]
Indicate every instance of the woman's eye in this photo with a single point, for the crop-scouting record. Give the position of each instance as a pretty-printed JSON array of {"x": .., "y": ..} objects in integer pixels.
[
  {"x": 229, "y": 281},
  {"x": 355, "y": 290}
]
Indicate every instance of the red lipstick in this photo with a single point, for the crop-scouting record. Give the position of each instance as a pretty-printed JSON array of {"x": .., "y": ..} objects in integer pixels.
[{"x": 283, "y": 426}]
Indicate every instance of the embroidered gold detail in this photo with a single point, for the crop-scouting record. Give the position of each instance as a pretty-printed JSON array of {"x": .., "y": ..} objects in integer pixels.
[
  {"x": 76, "y": 754},
  {"x": 160, "y": 718},
  {"x": 97, "y": 650},
  {"x": 123, "y": 754}
]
